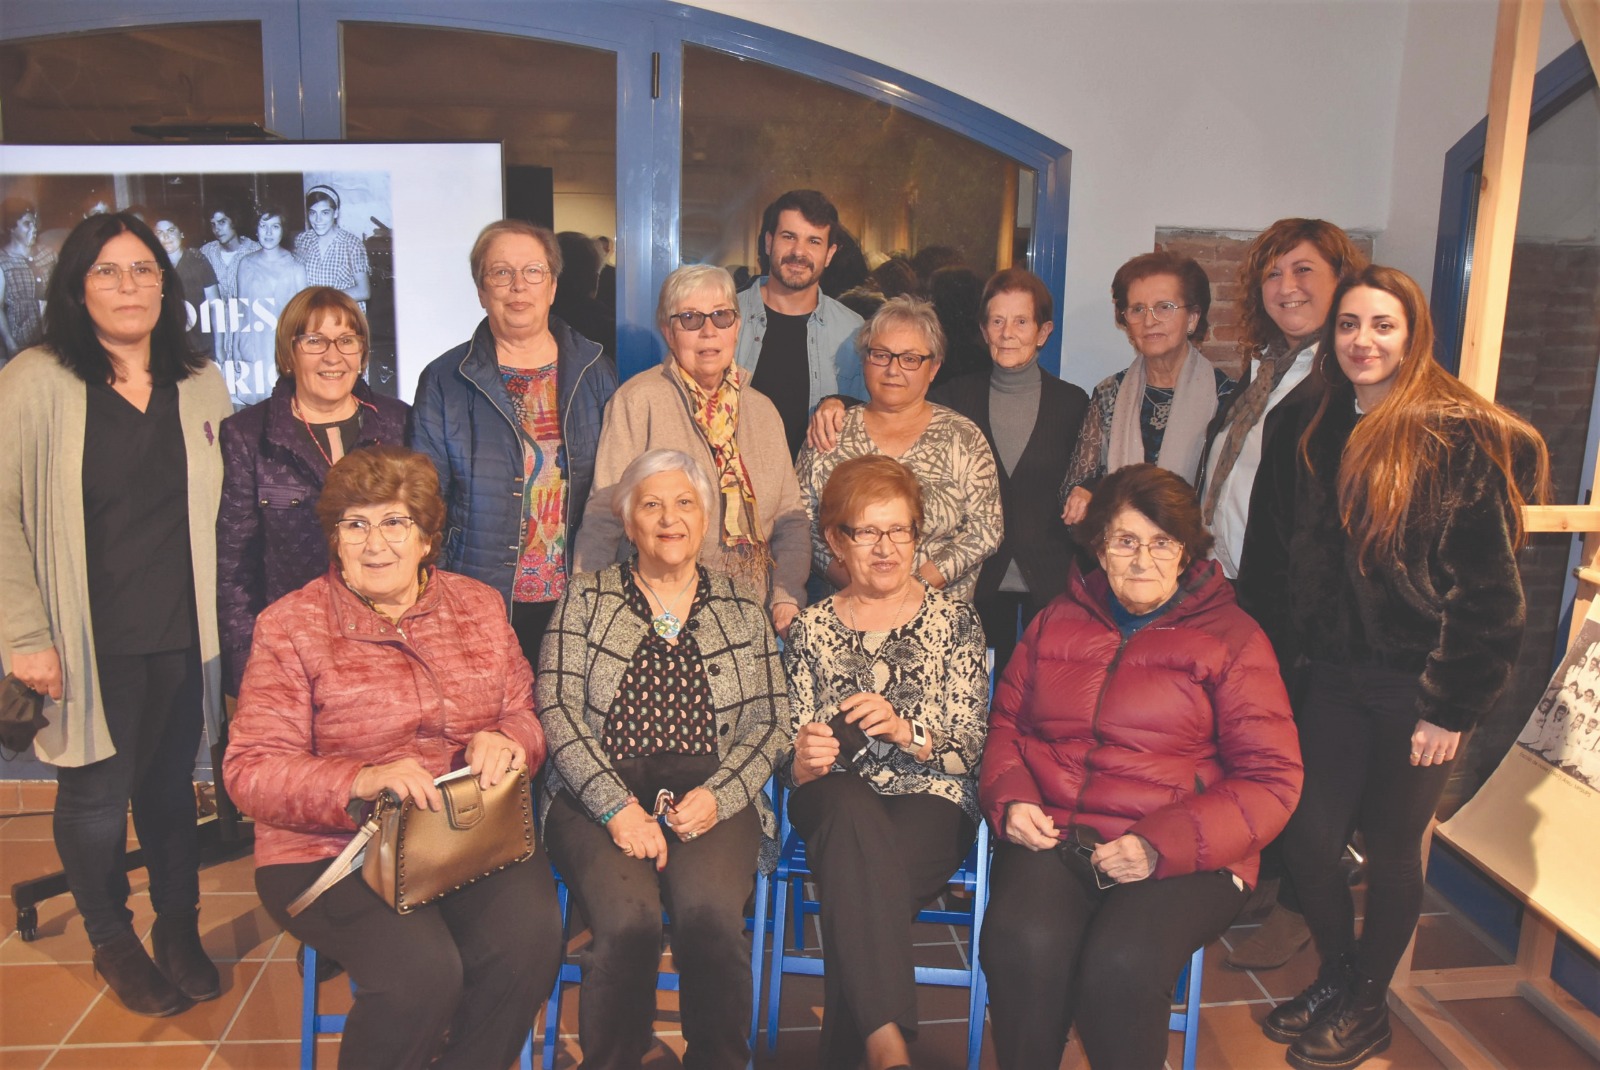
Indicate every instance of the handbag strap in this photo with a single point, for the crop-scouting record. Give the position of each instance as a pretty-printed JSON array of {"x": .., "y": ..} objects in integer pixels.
[{"x": 339, "y": 867}]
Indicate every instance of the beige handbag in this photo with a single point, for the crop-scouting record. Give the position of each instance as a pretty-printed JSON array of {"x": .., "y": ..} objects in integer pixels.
[{"x": 416, "y": 855}]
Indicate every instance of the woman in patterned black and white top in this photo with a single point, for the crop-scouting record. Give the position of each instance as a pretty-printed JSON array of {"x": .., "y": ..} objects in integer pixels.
[
  {"x": 902, "y": 347},
  {"x": 888, "y": 816},
  {"x": 661, "y": 696}
]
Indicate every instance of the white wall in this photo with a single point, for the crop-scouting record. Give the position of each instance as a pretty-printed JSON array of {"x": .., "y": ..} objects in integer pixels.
[{"x": 1198, "y": 113}]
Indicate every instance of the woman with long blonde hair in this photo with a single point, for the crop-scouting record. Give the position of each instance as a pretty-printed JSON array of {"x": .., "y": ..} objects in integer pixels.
[{"x": 1404, "y": 597}]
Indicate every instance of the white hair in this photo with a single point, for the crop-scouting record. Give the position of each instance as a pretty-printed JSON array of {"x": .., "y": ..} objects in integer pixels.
[{"x": 653, "y": 463}]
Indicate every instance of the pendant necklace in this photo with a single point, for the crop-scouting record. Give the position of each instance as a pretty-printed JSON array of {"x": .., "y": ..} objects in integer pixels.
[{"x": 666, "y": 623}]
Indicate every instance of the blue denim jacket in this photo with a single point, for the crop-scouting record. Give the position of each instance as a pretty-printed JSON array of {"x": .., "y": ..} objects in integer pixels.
[{"x": 830, "y": 344}]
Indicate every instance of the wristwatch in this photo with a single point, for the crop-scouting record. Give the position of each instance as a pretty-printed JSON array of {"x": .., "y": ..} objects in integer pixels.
[{"x": 919, "y": 738}]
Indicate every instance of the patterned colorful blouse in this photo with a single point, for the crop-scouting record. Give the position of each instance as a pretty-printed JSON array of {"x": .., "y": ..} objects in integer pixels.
[
  {"x": 663, "y": 705},
  {"x": 542, "y": 566}
]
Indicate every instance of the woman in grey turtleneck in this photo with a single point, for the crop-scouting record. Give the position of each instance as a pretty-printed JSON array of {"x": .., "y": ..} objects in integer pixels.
[{"x": 1031, "y": 419}]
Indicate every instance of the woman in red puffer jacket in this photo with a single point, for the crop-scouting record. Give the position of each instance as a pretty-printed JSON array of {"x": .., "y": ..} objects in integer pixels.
[{"x": 1140, "y": 754}]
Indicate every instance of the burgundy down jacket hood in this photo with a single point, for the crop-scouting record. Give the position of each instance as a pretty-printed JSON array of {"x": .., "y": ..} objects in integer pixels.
[{"x": 1180, "y": 734}]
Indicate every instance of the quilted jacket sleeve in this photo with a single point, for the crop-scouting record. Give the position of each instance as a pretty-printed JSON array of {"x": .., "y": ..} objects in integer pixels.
[
  {"x": 241, "y": 578},
  {"x": 271, "y": 770},
  {"x": 1259, "y": 750}
]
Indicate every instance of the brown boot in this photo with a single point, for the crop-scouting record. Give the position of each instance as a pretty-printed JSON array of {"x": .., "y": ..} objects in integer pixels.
[
  {"x": 1280, "y": 937},
  {"x": 181, "y": 956},
  {"x": 134, "y": 979}
]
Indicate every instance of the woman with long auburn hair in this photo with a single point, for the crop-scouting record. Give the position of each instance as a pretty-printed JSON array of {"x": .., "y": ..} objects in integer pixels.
[{"x": 1404, "y": 598}]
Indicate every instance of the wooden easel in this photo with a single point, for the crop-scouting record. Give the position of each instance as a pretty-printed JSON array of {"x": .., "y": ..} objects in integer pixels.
[{"x": 1421, "y": 997}]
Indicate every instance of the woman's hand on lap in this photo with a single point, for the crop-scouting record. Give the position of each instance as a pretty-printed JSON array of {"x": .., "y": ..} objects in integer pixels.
[
  {"x": 874, "y": 716},
  {"x": 491, "y": 756},
  {"x": 1028, "y": 825},
  {"x": 696, "y": 813},
  {"x": 406, "y": 778},
  {"x": 1126, "y": 859},
  {"x": 638, "y": 835},
  {"x": 815, "y": 751}
]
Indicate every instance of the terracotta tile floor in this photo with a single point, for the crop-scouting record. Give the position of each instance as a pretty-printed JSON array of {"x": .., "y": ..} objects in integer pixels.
[{"x": 55, "y": 1014}]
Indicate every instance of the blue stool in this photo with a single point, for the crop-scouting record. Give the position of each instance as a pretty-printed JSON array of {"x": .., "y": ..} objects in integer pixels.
[
  {"x": 313, "y": 1024},
  {"x": 1187, "y": 1021}
]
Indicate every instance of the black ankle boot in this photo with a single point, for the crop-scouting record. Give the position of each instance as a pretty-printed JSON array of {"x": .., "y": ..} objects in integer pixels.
[
  {"x": 1357, "y": 1029},
  {"x": 134, "y": 979},
  {"x": 181, "y": 956},
  {"x": 1287, "y": 1022}
]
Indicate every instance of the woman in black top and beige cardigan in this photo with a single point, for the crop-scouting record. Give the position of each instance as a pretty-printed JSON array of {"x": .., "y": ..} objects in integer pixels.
[{"x": 659, "y": 676}]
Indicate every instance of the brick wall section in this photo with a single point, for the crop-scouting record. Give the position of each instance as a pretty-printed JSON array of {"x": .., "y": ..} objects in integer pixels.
[
  {"x": 1220, "y": 252},
  {"x": 1547, "y": 375}
]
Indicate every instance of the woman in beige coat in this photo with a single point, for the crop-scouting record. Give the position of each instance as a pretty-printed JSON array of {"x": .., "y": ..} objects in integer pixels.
[{"x": 110, "y": 475}]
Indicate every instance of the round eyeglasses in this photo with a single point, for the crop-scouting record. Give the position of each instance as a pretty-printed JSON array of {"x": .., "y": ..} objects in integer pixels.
[{"x": 533, "y": 274}]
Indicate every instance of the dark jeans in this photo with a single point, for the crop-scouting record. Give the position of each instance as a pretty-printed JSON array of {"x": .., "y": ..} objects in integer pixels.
[
  {"x": 1005, "y": 615},
  {"x": 476, "y": 963},
  {"x": 529, "y": 620},
  {"x": 1057, "y": 950},
  {"x": 1355, "y": 740},
  {"x": 152, "y": 707},
  {"x": 703, "y": 888},
  {"x": 877, "y": 860}
]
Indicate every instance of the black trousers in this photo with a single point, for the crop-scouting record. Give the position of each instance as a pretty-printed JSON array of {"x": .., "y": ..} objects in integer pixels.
[
  {"x": 1355, "y": 740},
  {"x": 529, "y": 621},
  {"x": 877, "y": 860},
  {"x": 476, "y": 964},
  {"x": 1057, "y": 950},
  {"x": 152, "y": 707},
  {"x": 1005, "y": 615},
  {"x": 703, "y": 888}
]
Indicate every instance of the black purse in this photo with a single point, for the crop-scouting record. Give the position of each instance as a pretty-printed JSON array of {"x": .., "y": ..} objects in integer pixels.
[{"x": 21, "y": 715}]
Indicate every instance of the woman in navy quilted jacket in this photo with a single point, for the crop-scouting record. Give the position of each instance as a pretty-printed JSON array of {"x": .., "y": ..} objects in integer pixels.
[
  {"x": 276, "y": 454},
  {"x": 511, "y": 419},
  {"x": 1140, "y": 754}
]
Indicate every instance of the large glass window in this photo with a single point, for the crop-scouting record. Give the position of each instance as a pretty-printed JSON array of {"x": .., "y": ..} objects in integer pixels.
[
  {"x": 901, "y": 183},
  {"x": 95, "y": 87},
  {"x": 553, "y": 105}
]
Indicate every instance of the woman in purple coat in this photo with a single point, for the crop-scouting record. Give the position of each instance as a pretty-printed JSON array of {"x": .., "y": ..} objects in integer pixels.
[{"x": 277, "y": 452}]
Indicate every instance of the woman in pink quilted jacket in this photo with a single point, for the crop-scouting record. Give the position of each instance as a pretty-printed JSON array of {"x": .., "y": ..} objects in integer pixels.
[
  {"x": 385, "y": 674},
  {"x": 1140, "y": 754}
]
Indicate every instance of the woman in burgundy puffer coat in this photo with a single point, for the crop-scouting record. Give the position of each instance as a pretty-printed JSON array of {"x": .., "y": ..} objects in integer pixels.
[{"x": 1140, "y": 754}]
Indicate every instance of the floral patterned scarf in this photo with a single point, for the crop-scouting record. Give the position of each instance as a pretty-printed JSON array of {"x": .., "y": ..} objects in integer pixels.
[{"x": 716, "y": 414}]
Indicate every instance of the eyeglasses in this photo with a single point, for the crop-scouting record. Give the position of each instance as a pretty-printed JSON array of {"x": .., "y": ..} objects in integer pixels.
[
  {"x": 1161, "y": 310},
  {"x": 315, "y": 344},
  {"x": 1162, "y": 547},
  {"x": 908, "y": 360},
  {"x": 353, "y": 531},
  {"x": 1081, "y": 841},
  {"x": 533, "y": 274},
  {"x": 722, "y": 319},
  {"x": 108, "y": 276},
  {"x": 900, "y": 534}
]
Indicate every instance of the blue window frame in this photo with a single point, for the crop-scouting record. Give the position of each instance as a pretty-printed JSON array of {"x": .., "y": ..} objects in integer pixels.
[
  {"x": 303, "y": 94},
  {"x": 1563, "y": 78}
]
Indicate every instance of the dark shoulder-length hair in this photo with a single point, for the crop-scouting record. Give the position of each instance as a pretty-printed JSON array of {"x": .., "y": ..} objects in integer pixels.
[
  {"x": 70, "y": 332},
  {"x": 1399, "y": 453},
  {"x": 1165, "y": 499}
]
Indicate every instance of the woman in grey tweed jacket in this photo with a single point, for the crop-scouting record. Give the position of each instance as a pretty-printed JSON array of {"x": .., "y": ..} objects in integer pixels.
[{"x": 662, "y": 696}]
